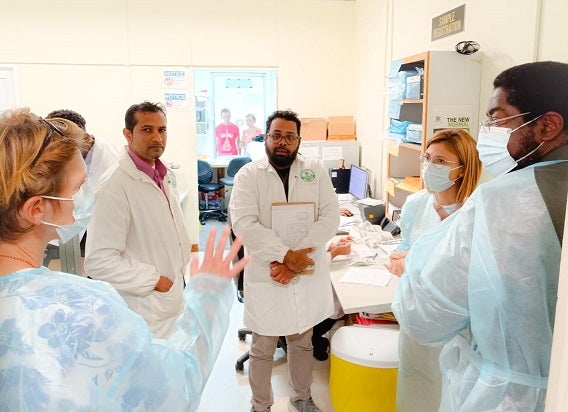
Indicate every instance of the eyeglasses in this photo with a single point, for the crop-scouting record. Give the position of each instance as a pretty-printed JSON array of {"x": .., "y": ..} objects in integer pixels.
[
  {"x": 436, "y": 160},
  {"x": 51, "y": 128},
  {"x": 503, "y": 120},
  {"x": 277, "y": 137}
]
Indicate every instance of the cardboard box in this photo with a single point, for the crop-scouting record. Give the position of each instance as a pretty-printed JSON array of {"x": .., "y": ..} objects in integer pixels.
[
  {"x": 313, "y": 128},
  {"x": 341, "y": 126},
  {"x": 342, "y": 137}
]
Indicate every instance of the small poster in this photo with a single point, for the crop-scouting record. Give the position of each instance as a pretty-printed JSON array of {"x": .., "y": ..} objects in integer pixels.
[
  {"x": 175, "y": 78},
  {"x": 452, "y": 117},
  {"x": 176, "y": 100}
]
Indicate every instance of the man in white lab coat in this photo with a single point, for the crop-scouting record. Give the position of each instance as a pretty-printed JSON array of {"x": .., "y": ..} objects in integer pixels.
[
  {"x": 99, "y": 157},
  {"x": 279, "y": 299},
  {"x": 137, "y": 239}
]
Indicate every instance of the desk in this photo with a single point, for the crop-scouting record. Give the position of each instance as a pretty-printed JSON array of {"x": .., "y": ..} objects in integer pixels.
[
  {"x": 220, "y": 162},
  {"x": 356, "y": 298}
]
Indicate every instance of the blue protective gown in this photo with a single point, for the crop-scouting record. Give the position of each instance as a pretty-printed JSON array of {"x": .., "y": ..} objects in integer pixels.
[
  {"x": 69, "y": 343},
  {"x": 419, "y": 381},
  {"x": 484, "y": 284}
]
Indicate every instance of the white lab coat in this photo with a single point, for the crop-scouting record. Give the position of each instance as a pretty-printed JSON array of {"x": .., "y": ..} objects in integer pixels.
[
  {"x": 136, "y": 235},
  {"x": 273, "y": 309},
  {"x": 101, "y": 157}
]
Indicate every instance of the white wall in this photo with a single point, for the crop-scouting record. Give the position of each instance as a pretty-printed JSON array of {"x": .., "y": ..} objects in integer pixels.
[
  {"x": 509, "y": 34},
  {"x": 100, "y": 56}
]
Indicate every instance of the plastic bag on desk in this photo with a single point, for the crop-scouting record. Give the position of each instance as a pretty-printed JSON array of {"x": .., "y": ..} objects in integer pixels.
[{"x": 371, "y": 235}]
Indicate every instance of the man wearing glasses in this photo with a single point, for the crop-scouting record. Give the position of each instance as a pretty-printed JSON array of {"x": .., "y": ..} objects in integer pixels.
[
  {"x": 484, "y": 283},
  {"x": 280, "y": 300}
]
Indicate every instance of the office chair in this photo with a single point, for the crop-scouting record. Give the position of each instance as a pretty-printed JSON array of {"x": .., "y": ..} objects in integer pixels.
[
  {"x": 205, "y": 186},
  {"x": 232, "y": 169}
]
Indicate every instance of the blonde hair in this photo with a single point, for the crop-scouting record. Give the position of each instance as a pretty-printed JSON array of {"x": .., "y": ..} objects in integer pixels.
[
  {"x": 32, "y": 163},
  {"x": 464, "y": 146}
]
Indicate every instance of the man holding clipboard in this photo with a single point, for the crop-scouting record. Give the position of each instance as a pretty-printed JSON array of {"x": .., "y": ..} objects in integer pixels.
[{"x": 286, "y": 209}]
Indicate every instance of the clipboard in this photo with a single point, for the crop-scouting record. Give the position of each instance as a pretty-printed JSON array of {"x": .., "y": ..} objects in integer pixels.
[{"x": 291, "y": 221}]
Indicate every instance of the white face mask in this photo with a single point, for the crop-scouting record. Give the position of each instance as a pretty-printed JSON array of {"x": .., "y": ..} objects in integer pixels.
[
  {"x": 83, "y": 202},
  {"x": 492, "y": 147},
  {"x": 437, "y": 177}
]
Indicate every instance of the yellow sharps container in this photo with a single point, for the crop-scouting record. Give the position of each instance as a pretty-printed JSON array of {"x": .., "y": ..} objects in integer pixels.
[{"x": 364, "y": 365}]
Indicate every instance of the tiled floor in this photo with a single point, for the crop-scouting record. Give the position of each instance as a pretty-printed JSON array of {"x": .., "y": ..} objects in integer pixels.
[{"x": 228, "y": 390}]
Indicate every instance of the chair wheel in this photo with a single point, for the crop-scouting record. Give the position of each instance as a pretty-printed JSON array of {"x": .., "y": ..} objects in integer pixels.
[
  {"x": 239, "y": 366},
  {"x": 222, "y": 219},
  {"x": 242, "y": 336}
]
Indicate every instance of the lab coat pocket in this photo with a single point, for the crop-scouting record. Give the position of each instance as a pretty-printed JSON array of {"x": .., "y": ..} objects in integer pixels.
[{"x": 167, "y": 304}]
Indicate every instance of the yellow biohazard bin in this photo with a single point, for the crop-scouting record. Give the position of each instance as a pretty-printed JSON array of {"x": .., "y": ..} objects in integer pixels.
[{"x": 364, "y": 365}]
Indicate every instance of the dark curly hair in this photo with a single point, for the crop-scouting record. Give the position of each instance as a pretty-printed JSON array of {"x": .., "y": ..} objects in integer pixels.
[
  {"x": 69, "y": 115},
  {"x": 286, "y": 115},
  {"x": 537, "y": 88}
]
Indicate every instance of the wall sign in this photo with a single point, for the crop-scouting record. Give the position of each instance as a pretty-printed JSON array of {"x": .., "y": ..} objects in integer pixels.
[{"x": 448, "y": 23}]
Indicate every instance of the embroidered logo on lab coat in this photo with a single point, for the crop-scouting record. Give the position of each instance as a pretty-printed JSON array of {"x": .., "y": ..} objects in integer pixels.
[{"x": 308, "y": 175}]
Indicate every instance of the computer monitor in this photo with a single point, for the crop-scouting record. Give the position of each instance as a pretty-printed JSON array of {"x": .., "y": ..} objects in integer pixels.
[{"x": 358, "y": 181}]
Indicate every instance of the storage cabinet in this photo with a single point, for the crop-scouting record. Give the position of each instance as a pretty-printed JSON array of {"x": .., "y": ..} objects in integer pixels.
[
  {"x": 200, "y": 120},
  {"x": 448, "y": 83}
]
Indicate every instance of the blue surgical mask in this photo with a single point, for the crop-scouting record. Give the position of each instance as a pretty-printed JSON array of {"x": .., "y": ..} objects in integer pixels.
[
  {"x": 83, "y": 202},
  {"x": 437, "y": 177},
  {"x": 492, "y": 144}
]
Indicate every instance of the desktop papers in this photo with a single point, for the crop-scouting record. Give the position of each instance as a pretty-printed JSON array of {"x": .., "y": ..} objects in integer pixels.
[
  {"x": 374, "y": 276},
  {"x": 389, "y": 246},
  {"x": 368, "y": 201}
]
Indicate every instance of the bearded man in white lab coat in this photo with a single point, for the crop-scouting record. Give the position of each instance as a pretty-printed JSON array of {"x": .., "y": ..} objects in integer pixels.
[{"x": 279, "y": 300}]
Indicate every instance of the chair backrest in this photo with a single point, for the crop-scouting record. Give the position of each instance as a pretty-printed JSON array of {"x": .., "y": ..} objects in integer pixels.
[
  {"x": 204, "y": 172},
  {"x": 236, "y": 163}
]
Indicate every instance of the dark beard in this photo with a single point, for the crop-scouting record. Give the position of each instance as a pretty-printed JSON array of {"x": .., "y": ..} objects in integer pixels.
[
  {"x": 529, "y": 144},
  {"x": 280, "y": 161}
]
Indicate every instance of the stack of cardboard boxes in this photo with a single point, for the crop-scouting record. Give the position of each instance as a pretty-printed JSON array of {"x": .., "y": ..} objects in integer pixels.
[{"x": 334, "y": 128}]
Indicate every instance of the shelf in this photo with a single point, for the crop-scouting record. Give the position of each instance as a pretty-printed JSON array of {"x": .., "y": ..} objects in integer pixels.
[
  {"x": 434, "y": 111},
  {"x": 394, "y": 147},
  {"x": 407, "y": 187},
  {"x": 413, "y": 101},
  {"x": 412, "y": 146}
]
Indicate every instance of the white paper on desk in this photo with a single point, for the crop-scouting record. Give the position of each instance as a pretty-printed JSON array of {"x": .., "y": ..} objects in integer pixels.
[
  {"x": 370, "y": 201},
  {"x": 389, "y": 247},
  {"x": 342, "y": 258},
  {"x": 374, "y": 276}
]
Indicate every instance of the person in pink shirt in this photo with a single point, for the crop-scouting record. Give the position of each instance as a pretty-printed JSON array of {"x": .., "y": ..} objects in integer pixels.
[
  {"x": 249, "y": 133},
  {"x": 227, "y": 135}
]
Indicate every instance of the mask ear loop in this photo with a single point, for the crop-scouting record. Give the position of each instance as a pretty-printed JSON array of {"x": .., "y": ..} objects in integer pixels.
[{"x": 536, "y": 148}]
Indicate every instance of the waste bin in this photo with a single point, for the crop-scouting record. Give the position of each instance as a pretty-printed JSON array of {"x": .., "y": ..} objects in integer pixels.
[{"x": 364, "y": 365}]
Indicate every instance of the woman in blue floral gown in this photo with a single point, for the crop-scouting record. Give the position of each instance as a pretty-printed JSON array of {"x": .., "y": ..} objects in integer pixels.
[{"x": 68, "y": 343}]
